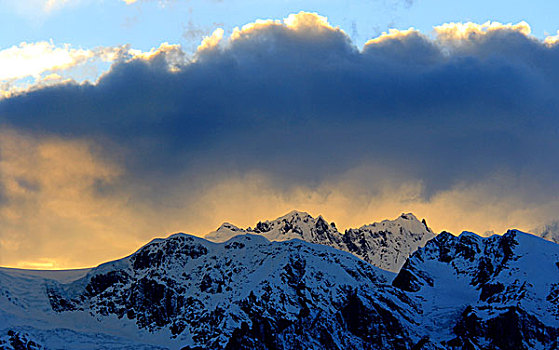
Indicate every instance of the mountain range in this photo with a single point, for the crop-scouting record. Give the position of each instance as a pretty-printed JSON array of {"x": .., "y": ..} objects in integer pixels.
[
  {"x": 297, "y": 283},
  {"x": 386, "y": 244}
]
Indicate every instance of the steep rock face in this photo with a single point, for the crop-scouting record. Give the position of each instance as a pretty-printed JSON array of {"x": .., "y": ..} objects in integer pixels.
[
  {"x": 386, "y": 244},
  {"x": 361, "y": 322},
  {"x": 509, "y": 328},
  {"x": 18, "y": 341},
  {"x": 246, "y": 293},
  {"x": 498, "y": 292},
  {"x": 294, "y": 225}
]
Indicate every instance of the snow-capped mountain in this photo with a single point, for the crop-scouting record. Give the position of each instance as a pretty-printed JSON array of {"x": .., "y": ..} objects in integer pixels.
[
  {"x": 293, "y": 225},
  {"x": 185, "y": 292},
  {"x": 549, "y": 231},
  {"x": 386, "y": 244},
  {"x": 498, "y": 292}
]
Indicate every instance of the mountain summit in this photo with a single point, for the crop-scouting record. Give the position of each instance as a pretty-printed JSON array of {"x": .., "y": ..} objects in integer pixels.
[
  {"x": 293, "y": 225},
  {"x": 386, "y": 244}
]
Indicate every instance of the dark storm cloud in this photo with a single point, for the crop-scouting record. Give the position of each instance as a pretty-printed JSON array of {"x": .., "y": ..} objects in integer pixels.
[
  {"x": 301, "y": 102},
  {"x": 461, "y": 128}
]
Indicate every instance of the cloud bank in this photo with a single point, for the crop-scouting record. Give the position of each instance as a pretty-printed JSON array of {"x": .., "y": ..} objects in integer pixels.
[{"x": 460, "y": 127}]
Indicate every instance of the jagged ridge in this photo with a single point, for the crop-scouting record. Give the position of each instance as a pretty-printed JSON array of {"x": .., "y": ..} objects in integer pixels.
[{"x": 386, "y": 244}]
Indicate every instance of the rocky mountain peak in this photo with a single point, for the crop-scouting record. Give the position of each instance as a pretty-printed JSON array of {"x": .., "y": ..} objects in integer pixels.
[
  {"x": 388, "y": 243},
  {"x": 385, "y": 244},
  {"x": 505, "y": 286}
]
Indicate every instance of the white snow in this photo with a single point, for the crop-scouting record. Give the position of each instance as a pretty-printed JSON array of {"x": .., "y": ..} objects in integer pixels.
[
  {"x": 549, "y": 232},
  {"x": 386, "y": 244}
]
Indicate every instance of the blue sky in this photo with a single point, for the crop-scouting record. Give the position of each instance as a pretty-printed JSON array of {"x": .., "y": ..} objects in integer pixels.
[
  {"x": 145, "y": 24},
  {"x": 109, "y": 137}
]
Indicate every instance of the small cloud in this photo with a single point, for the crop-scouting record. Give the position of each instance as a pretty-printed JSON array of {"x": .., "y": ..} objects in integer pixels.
[
  {"x": 32, "y": 59},
  {"x": 307, "y": 20},
  {"x": 211, "y": 41},
  {"x": 467, "y": 32},
  {"x": 552, "y": 40},
  {"x": 303, "y": 23}
]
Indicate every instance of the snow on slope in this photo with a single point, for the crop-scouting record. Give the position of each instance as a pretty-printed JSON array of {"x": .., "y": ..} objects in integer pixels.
[
  {"x": 549, "y": 232},
  {"x": 497, "y": 292},
  {"x": 63, "y": 276},
  {"x": 27, "y": 316},
  {"x": 293, "y": 225},
  {"x": 187, "y": 291},
  {"x": 386, "y": 244}
]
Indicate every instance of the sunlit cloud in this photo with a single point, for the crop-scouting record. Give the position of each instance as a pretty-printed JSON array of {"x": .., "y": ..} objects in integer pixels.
[
  {"x": 51, "y": 200},
  {"x": 15, "y": 87},
  {"x": 211, "y": 41},
  {"x": 363, "y": 195},
  {"x": 31, "y": 66},
  {"x": 65, "y": 205},
  {"x": 451, "y": 35},
  {"x": 32, "y": 59},
  {"x": 306, "y": 23},
  {"x": 35, "y": 65},
  {"x": 552, "y": 40},
  {"x": 393, "y": 34},
  {"x": 470, "y": 31},
  {"x": 173, "y": 55}
]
